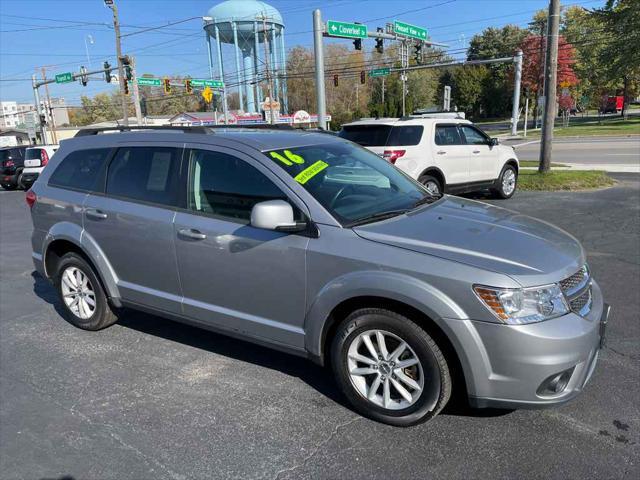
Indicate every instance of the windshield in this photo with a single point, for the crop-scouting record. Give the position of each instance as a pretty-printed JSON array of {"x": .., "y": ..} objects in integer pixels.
[
  {"x": 353, "y": 184},
  {"x": 383, "y": 135}
]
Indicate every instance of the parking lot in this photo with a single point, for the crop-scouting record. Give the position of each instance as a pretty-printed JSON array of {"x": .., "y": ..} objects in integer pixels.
[{"x": 151, "y": 399}]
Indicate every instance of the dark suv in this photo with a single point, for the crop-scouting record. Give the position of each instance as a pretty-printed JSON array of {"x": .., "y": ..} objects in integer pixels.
[{"x": 11, "y": 165}]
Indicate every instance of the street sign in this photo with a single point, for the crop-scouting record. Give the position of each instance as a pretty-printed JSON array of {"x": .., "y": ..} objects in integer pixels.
[
  {"x": 347, "y": 30},
  {"x": 408, "y": 30},
  {"x": 207, "y": 94},
  {"x": 198, "y": 82},
  {"x": 65, "y": 77},
  {"x": 108, "y": 3},
  {"x": 379, "y": 72},
  {"x": 149, "y": 82}
]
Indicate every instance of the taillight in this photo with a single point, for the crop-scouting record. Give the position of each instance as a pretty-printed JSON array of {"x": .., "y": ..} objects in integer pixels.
[
  {"x": 44, "y": 157},
  {"x": 9, "y": 163},
  {"x": 393, "y": 155},
  {"x": 31, "y": 198}
]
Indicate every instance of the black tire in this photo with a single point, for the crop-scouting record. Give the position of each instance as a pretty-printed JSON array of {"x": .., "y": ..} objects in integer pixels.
[
  {"x": 428, "y": 180},
  {"x": 436, "y": 390},
  {"x": 103, "y": 316},
  {"x": 19, "y": 183},
  {"x": 9, "y": 186},
  {"x": 499, "y": 191}
]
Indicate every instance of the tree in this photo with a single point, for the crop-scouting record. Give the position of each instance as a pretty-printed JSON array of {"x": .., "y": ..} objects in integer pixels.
[
  {"x": 466, "y": 87},
  {"x": 300, "y": 84},
  {"x": 533, "y": 62}
]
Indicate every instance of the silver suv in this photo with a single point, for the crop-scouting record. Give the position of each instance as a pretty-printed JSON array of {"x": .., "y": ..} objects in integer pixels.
[{"x": 311, "y": 244}]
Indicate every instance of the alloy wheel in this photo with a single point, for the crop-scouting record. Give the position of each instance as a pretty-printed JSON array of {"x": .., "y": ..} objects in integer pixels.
[
  {"x": 508, "y": 182},
  {"x": 385, "y": 370},
  {"x": 78, "y": 293},
  {"x": 432, "y": 187}
]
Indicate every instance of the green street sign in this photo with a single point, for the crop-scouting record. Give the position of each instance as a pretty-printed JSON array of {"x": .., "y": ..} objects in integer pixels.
[
  {"x": 408, "y": 30},
  {"x": 379, "y": 72},
  {"x": 65, "y": 77},
  {"x": 347, "y": 30},
  {"x": 149, "y": 82},
  {"x": 198, "y": 82}
]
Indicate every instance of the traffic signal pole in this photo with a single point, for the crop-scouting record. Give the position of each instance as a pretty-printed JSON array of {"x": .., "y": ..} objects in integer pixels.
[
  {"x": 136, "y": 93},
  {"x": 318, "y": 30},
  {"x": 515, "y": 111},
  {"x": 36, "y": 97},
  {"x": 121, "y": 79}
]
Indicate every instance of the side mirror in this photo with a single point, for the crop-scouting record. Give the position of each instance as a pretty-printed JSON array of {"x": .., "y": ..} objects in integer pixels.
[
  {"x": 275, "y": 215},
  {"x": 493, "y": 142}
]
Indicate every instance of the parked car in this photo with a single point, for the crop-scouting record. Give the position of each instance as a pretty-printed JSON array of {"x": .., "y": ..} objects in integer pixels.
[
  {"x": 310, "y": 244},
  {"x": 444, "y": 154},
  {"x": 11, "y": 166},
  {"x": 36, "y": 158}
]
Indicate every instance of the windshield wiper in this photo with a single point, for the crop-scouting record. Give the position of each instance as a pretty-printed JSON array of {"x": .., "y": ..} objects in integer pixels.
[
  {"x": 426, "y": 199},
  {"x": 378, "y": 216}
]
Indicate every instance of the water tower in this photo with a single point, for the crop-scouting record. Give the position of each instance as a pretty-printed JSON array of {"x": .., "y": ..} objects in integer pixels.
[{"x": 255, "y": 32}]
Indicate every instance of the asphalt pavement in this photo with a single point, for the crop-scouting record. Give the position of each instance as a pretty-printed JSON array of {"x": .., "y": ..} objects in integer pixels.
[
  {"x": 152, "y": 399},
  {"x": 612, "y": 154}
]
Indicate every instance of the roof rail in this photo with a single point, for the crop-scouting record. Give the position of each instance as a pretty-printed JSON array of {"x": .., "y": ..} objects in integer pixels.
[{"x": 205, "y": 129}]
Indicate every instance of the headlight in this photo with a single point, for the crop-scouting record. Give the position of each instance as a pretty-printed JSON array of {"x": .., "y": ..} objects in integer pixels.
[{"x": 523, "y": 305}]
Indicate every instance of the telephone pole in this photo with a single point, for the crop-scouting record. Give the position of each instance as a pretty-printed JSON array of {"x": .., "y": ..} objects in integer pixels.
[
  {"x": 116, "y": 27},
  {"x": 136, "y": 93},
  {"x": 550, "y": 78},
  {"x": 49, "y": 110},
  {"x": 267, "y": 53},
  {"x": 318, "y": 30}
]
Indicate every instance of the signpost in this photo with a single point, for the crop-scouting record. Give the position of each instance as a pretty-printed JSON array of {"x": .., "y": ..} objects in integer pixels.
[
  {"x": 196, "y": 82},
  {"x": 408, "y": 30},
  {"x": 379, "y": 72},
  {"x": 65, "y": 77},
  {"x": 149, "y": 82},
  {"x": 346, "y": 30}
]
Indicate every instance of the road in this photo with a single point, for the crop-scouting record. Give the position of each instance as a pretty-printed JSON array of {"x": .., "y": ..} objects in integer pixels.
[
  {"x": 613, "y": 154},
  {"x": 152, "y": 399}
]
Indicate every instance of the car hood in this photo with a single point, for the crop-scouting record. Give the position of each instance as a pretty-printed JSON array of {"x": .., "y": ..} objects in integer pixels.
[{"x": 530, "y": 251}]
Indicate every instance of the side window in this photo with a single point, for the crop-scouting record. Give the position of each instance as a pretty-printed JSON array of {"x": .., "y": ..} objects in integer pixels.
[
  {"x": 473, "y": 136},
  {"x": 405, "y": 136},
  {"x": 149, "y": 174},
  {"x": 448, "y": 135},
  {"x": 227, "y": 187},
  {"x": 80, "y": 169}
]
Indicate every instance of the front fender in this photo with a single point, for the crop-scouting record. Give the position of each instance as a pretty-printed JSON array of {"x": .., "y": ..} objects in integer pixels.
[
  {"x": 80, "y": 238},
  {"x": 394, "y": 286}
]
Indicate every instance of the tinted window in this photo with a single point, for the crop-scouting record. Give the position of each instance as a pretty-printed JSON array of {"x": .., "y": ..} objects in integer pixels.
[
  {"x": 448, "y": 135},
  {"x": 33, "y": 154},
  {"x": 80, "y": 169},
  {"x": 473, "y": 136},
  {"x": 149, "y": 174},
  {"x": 405, "y": 136},
  {"x": 227, "y": 187},
  {"x": 383, "y": 135}
]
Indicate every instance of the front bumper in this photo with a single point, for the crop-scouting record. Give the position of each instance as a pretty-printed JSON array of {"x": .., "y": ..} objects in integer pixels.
[{"x": 506, "y": 365}]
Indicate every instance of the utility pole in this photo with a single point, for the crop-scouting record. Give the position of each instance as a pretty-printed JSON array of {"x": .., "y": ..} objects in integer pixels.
[
  {"x": 318, "y": 30},
  {"x": 540, "y": 74},
  {"x": 121, "y": 79},
  {"x": 267, "y": 54},
  {"x": 550, "y": 78},
  {"x": 515, "y": 110},
  {"x": 36, "y": 97},
  {"x": 136, "y": 92},
  {"x": 384, "y": 109},
  {"x": 404, "y": 59},
  {"x": 54, "y": 136}
]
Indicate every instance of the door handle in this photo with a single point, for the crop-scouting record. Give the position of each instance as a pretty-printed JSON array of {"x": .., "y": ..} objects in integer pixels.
[
  {"x": 476, "y": 151},
  {"x": 96, "y": 214},
  {"x": 191, "y": 233},
  {"x": 441, "y": 152}
]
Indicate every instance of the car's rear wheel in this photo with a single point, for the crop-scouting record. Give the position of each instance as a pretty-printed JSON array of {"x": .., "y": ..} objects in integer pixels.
[
  {"x": 19, "y": 182},
  {"x": 432, "y": 184},
  {"x": 507, "y": 182},
  {"x": 83, "y": 299},
  {"x": 9, "y": 186},
  {"x": 389, "y": 368}
]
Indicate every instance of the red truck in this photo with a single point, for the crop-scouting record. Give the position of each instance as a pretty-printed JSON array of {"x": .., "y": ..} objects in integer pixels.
[{"x": 611, "y": 104}]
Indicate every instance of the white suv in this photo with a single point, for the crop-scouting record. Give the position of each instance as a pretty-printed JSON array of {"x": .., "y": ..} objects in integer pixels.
[
  {"x": 445, "y": 154},
  {"x": 35, "y": 159}
]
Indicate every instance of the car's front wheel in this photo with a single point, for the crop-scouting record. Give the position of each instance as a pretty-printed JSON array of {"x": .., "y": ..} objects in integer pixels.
[
  {"x": 83, "y": 299},
  {"x": 432, "y": 184},
  {"x": 389, "y": 368},
  {"x": 507, "y": 182}
]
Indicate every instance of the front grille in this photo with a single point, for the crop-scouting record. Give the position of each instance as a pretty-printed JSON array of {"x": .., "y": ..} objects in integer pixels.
[{"x": 577, "y": 290}]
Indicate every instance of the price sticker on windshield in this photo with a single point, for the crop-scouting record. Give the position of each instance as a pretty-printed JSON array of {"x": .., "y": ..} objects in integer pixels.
[{"x": 310, "y": 172}]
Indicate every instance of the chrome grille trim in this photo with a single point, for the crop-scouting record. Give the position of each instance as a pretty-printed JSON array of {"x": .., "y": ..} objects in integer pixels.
[{"x": 577, "y": 291}]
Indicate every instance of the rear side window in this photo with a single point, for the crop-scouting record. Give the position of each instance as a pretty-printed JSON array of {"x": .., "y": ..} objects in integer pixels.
[
  {"x": 149, "y": 174},
  {"x": 448, "y": 135},
  {"x": 227, "y": 187},
  {"x": 383, "y": 135},
  {"x": 80, "y": 170},
  {"x": 405, "y": 136}
]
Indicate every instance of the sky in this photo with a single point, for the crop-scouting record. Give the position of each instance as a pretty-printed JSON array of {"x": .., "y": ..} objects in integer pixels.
[{"x": 58, "y": 33}]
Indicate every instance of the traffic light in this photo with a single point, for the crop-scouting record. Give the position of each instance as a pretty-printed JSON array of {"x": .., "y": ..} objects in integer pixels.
[
  {"x": 43, "y": 119},
  {"x": 125, "y": 85},
  {"x": 166, "y": 83},
  {"x": 380, "y": 41},
  {"x": 107, "y": 71},
  {"x": 357, "y": 43},
  {"x": 335, "y": 80},
  {"x": 187, "y": 86},
  {"x": 84, "y": 78},
  {"x": 363, "y": 77},
  {"x": 417, "y": 54},
  {"x": 126, "y": 64}
]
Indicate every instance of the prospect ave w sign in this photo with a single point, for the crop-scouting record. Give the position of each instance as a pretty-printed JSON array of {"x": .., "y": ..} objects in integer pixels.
[
  {"x": 408, "y": 30},
  {"x": 196, "y": 82},
  {"x": 347, "y": 30}
]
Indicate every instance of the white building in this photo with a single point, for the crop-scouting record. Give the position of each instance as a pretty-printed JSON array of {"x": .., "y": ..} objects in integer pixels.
[
  {"x": 13, "y": 114},
  {"x": 9, "y": 114}
]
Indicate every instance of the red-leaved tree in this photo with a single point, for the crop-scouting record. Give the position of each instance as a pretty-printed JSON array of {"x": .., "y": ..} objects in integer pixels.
[{"x": 533, "y": 49}]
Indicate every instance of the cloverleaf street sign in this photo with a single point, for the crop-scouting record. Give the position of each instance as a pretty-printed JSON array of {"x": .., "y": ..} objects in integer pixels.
[{"x": 346, "y": 30}]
